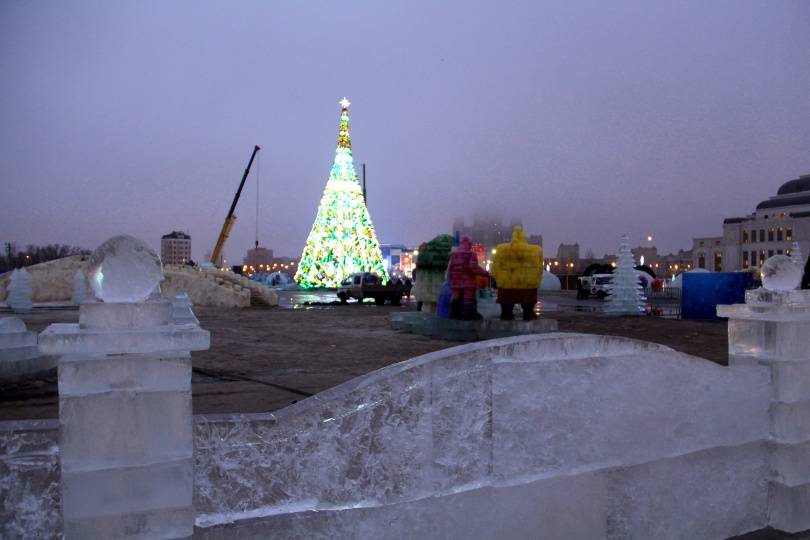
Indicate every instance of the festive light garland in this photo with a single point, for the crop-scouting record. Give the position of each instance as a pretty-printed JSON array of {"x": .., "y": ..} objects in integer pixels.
[{"x": 342, "y": 240}]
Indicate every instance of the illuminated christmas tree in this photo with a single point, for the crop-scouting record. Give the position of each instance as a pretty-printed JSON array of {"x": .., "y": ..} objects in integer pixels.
[{"x": 342, "y": 240}]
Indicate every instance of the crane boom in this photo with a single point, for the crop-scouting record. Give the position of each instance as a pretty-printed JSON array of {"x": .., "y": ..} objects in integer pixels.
[{"x": 231, "y": 218}]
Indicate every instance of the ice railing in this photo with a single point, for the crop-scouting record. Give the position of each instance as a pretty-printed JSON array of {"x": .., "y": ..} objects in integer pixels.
[{"x": 506, "y": 412}]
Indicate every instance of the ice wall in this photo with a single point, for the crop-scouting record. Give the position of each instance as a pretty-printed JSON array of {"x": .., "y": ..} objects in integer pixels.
[
  {"x": 561, "y": 435},
  {"x": 30, "y": 498}
]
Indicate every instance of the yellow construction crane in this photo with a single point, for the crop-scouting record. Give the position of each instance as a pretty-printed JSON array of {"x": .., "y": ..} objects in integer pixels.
[{"x": 230, "y": 219}]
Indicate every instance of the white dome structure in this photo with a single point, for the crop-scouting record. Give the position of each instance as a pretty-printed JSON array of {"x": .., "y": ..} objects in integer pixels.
[{"x": 550, "y": 282}]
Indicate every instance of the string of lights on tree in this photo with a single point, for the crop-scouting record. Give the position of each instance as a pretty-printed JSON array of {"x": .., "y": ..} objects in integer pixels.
[{"x": 342, "y": 240}]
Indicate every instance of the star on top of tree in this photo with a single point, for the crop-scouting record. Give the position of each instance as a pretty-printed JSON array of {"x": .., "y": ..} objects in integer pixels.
[{"x": 344, "y": 103}]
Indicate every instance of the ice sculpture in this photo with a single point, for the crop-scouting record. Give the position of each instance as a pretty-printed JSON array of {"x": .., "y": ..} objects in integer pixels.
[
  {"x": 431, "y": 266},
  {"x": 781, "y": 273},
  {"x": 549, "y": 281},
  {"x": 20, "y": 291},
  {"x": 125, "y": 403},
  {"x": 445, "y": 299},
  {"x": 555, "y": 436},
  {"x": 626, "y": 296},
  {"x": 124, "y": 269},
  {"x": 79, "y": 288},
  {"x": 464, "y": 271},
  {"x": 517, "y": 269},
  {"x": 19, "y": 355}
]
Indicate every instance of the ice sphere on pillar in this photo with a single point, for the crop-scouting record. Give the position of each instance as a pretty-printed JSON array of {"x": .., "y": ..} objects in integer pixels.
[
  {"x": 781, "y": 273},
  {"x": 124, "y": 269}
]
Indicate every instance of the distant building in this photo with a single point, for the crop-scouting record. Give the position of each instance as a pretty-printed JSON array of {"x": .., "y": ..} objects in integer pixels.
[
  {"x": 288, "y": 265},
  {"x": 536, "y": 239},
  {"x": 258, "y": 258},
  {"x": 486, "y": 229},
  {"x": 567, "y": 260},
  {"x": 568, "y": 252},
  {"x": 397, "y": 259},
  {"x": 662, "y": 265},
  {"x": 674, "y": 263},
  {"x": 175, "y": 248},
  {"x": 708, "y": 253},
  {"x": 770, "y": 230},
  {"x": 650, "y": 254}
]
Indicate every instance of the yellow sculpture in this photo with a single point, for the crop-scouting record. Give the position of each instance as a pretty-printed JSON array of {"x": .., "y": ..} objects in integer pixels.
[{"x": 518, "y": 269}]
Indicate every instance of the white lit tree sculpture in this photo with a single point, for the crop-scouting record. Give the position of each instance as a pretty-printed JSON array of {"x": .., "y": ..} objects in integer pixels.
[{"x": 626, "y": 294}]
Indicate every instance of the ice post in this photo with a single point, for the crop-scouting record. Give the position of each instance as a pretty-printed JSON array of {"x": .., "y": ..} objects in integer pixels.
[
  {"x": 79, "y": 288},
  {"x": 18, "y": 347},
  {"x": 772, "y": 329},
  {"x": 125, "y": 403}
]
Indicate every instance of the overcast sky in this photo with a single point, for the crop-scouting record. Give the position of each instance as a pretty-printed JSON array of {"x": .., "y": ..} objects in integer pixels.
[{"x": 586, "y": 120}]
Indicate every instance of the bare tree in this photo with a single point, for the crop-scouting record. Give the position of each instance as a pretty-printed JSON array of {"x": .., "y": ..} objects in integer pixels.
[{"x": 38, "y": 254}]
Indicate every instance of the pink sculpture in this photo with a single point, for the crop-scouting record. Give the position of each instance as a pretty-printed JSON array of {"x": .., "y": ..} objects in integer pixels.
[{"x": 463, "y": 270}]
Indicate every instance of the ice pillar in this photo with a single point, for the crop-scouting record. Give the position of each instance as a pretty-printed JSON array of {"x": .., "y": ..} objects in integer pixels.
[
  {"x": 18, "y": 348},
  {"x": 125, "y": 420},
  {"x": 772, "y": 329}
]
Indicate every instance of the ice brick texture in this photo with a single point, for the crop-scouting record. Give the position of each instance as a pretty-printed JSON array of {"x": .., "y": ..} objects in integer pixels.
[
  {"x": 771, "y": 331},
  {"x": 30, "y": 499},
  {"x": 554, "y": 436},
  {"x": 126, "y": 445}
]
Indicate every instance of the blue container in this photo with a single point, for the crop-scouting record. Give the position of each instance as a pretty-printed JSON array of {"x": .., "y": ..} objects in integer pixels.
[{"x": 702, "y": 292}]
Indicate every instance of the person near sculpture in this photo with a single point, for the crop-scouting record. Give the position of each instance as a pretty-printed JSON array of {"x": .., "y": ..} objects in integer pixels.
[
  {"x": 518, "y": 269},
  {"x": 463, "y": 271}
]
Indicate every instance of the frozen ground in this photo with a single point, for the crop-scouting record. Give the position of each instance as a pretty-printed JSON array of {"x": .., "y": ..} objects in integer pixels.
[{"x": 264, "y": 359}]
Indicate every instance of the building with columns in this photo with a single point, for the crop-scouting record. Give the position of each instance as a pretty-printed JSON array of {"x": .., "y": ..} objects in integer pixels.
[{"x": 770, "y": 230}]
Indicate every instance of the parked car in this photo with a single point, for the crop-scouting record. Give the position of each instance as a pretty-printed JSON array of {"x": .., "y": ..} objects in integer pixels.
[{"x": 368, "y": 285}]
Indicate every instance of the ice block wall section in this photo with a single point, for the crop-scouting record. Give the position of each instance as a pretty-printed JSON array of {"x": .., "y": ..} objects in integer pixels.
[
  {"x": 558, "y": 436},
  {"x": 30, "y": 499}
]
